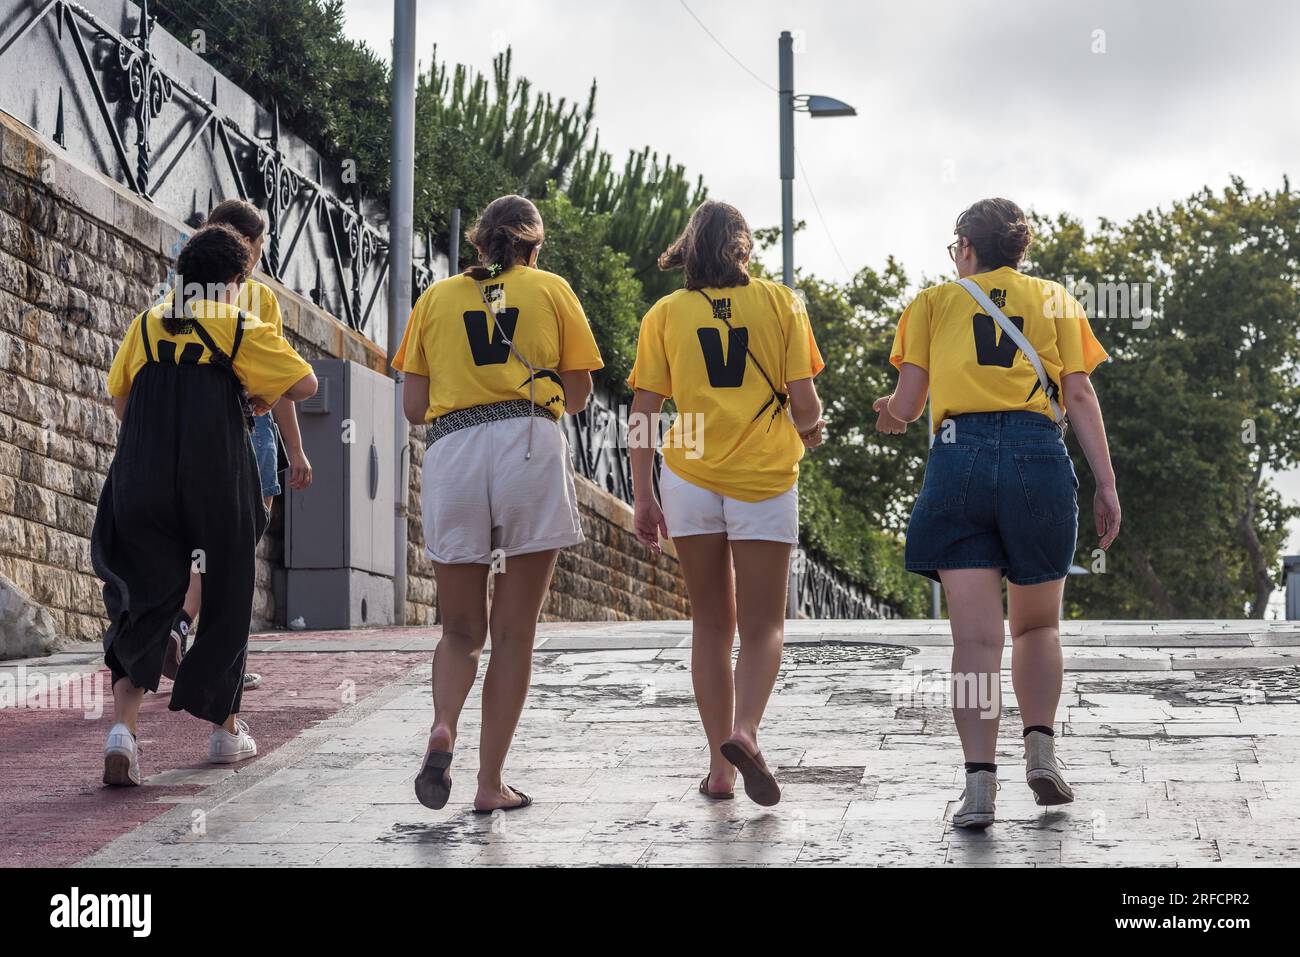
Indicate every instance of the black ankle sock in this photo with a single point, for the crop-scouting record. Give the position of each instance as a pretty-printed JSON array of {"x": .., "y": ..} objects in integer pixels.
[
  {"x": 972, "y": 766},
  {"x": 1038, "y": 727}
]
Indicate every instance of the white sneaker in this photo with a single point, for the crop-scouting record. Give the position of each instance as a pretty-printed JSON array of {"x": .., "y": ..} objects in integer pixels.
[
  {"x": 976, "y": 811},
  {"x": 121, "y": 758},
  {"x": 227, "y": 748},
  {"x": 1043, "y": 770}
]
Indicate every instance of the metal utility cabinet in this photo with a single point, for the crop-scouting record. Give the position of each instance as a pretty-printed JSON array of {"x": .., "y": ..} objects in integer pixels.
[{"x": 339, "y": 532}]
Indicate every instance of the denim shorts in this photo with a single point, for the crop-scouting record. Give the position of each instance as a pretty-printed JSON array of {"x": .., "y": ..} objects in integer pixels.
[
  {"x": 1000, "y": 492},
  {"x": 263, "y": 437}
]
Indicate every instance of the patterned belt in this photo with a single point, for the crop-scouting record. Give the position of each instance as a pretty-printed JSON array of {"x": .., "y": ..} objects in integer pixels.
[{"x": 459, "y": 419}]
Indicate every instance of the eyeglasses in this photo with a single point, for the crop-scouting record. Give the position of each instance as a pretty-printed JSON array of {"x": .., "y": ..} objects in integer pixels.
[{"x": 952, "y": 249}]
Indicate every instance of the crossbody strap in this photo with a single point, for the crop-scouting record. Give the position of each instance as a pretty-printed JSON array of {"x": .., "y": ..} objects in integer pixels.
[
  {"x": 1020, "y": 339},
  {"x": 777, "y": 395}
]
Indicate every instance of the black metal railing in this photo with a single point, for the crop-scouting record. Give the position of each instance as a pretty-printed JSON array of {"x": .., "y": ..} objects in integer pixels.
[{"x": 132, "y": 92}]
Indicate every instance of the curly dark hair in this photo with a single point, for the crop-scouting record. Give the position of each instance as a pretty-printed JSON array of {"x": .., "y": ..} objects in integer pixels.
[
  {"x": 713, "y": 249},
  {"x": 998, "y": 231},
  {"x": 215, "y": 256}
]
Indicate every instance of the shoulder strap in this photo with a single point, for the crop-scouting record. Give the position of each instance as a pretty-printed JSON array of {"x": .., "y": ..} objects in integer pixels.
[
  {"x": 780, "y": 397},
  {"x": 1019, "y": 338},
  {"x": 144, "y": 336},
  {"x": 240, "y": 318}
]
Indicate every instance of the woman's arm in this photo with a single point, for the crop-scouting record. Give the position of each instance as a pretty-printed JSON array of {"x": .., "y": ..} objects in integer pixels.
[
  {"x": 577, "y": 389},
  {"x": 907, "y": 401},
  {"x": 415, "y": 398},
  {"x": 119, "y": 405},
  {"x": 286, "y": 417},
  {"x": 805, "y": 405},
  {"x": 643, "y": 437},
  {"x": 1085, "y": 416},
  {"x": 301, "y": 390}
]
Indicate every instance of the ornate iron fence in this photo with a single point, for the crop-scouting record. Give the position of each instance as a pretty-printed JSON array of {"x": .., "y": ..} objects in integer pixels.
[{"x": 126, "y": 101}]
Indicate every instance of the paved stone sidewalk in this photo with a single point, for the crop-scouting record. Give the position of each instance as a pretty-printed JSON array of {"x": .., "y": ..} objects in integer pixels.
[{"x": 1182, "y": 740}]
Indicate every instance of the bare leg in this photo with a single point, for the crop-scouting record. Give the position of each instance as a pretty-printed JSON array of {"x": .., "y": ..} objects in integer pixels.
[
  {"x": 706, "y": 565},
  {"x": 762, "y": 576},
  {"x": 975, "y": 611},
  {"x": 127, "y": 699},
  {"x": 517, "y": 599},
  {"x": 462, "y": 602},
  {"x": 194, "y": 595},
  {"x": 1034, "y": 612}
]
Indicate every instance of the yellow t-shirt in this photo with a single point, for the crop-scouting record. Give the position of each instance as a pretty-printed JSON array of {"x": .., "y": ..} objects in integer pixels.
[
  {"x": 256, "y": 299},
  {"x": 720, "y": 440},
  {"x": 973, "y": 366},
  {"x": 266, "y": 364},
  {"x": 452, "y": 339}
]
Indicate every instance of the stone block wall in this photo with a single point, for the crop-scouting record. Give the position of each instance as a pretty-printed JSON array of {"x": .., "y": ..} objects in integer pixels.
[{"x": 79, "y": 257}]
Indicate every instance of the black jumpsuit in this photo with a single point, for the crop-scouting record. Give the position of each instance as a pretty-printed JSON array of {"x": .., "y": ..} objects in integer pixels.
[{"x": 183, "y": 491}]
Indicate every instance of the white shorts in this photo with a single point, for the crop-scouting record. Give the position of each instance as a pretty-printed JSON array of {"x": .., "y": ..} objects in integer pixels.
[
  {"x": 691, "y": 510},
  {"x": 481, "y": 499}
]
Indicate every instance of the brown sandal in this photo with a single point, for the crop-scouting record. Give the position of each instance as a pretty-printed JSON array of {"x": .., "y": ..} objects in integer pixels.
[
  {"x": 760, "y": 783},
  {"x": 715, "y": 795}
]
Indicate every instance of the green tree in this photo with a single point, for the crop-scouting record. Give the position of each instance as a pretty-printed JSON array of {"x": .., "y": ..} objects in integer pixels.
[
  {"x": 610, "y": 293},
  {"x": 1199, "y": 402}
]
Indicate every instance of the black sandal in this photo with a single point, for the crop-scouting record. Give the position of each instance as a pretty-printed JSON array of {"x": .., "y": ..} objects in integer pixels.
[
  {"x": 715, "y": 795},
  {"x": 433, "y": 783},
  {"x": 524, "y": 801},
  {"x": 761, "y": 786}
]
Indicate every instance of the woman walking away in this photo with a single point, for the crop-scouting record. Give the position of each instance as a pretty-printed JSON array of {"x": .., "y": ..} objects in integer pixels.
[
  {"x": 183, "y": 493},
  {"x": 258, "y": 301},
  {"x": 1003, "y": 356},
  {"x": 736, "y": 355},
  {"x": 493, "y": 358}
]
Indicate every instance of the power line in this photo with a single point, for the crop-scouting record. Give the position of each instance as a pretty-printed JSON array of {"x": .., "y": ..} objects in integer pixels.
[
  {"x": 825, "y": 226},
  {"x": 807, "y": 181},
  {"x": 722, "y": 46}
]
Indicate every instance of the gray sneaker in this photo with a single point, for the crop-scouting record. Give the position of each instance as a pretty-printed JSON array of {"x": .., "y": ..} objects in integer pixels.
[
  {"x": 1043, "y": 770},
  {"x": 121, "y": 758},
  {"x": 976, "y": 811}
]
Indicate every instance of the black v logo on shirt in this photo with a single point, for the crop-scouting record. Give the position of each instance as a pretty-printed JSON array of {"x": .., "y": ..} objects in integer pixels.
[
  {"x": 989, "y": 349},
  {"x": 496, "y": 351},
  {"x": 724, "y": 372}
]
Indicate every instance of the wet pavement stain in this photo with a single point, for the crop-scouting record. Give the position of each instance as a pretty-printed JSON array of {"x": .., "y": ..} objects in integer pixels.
[{"x": 451, "y": 833}]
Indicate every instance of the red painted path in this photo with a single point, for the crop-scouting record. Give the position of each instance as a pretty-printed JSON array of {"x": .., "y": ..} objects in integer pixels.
[{"x": 53, "y": 809}]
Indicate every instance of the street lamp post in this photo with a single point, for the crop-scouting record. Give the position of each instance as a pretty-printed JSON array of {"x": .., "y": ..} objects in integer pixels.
[
  {"x": 817, "y": 106},
  {"x": 401, "y": 206}
]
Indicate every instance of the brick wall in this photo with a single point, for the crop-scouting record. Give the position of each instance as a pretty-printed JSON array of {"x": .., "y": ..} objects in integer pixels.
[{"x": 79, "y": 257}]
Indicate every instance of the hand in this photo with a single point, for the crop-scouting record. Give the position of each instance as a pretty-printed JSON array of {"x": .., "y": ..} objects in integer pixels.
[
  {"x": 299, "y": 471},
  {"x": 259, "y": 405},
  {"x": 1105, "y": 512},
  {"x": 814, "y": 436},
  {"x": 649, "y": 523},
  {"x": 885, "y": 421}
]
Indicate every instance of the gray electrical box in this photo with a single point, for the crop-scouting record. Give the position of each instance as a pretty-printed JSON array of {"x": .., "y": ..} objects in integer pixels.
[{"x": 338, "y": 550}]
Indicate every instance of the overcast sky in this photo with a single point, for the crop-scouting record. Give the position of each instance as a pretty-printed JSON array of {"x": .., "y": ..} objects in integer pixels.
[{"x": 956, "y": 100}]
